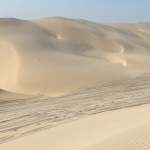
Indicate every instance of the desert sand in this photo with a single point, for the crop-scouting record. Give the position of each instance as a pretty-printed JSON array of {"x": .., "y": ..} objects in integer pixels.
[
  {"x": 72, "y": 84},
  {"x": 106, "y": 131},
  {"x": 54, "y": 56}
]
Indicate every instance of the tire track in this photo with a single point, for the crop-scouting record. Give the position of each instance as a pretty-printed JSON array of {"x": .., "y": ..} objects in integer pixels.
[{"x": 20, "y": 118}]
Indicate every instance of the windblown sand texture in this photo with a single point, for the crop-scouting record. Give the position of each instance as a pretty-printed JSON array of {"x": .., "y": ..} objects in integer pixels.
[
  {"x": 117, "y": 130},
  {"x": 54, "y": 56},
  {"x": 57, "y": 73}
]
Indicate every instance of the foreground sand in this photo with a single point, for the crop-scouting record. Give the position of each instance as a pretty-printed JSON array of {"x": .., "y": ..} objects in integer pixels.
[
  {"x": 122, "y": 129},
  {"x": 21, "y": 117}
]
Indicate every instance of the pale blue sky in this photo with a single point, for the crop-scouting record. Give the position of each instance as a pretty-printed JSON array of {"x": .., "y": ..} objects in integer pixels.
[{"x": 94, "y": 10}]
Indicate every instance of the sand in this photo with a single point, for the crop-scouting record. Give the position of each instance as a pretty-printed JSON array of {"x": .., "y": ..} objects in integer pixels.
[
  {"x": 71, "y": 84},
  {"x": 123, "y": 129},
  {"x": 55, "y": 56}
]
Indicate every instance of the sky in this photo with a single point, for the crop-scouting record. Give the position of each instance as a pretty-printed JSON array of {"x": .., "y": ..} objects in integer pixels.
[{"x": 93, "y": 10}]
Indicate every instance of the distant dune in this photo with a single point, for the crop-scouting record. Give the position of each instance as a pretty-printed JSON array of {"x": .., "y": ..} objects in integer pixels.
[{"x": 55, "y": 56}]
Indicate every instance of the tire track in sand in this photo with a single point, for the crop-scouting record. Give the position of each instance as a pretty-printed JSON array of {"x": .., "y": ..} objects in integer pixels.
[{"x": 20, "y": 118}]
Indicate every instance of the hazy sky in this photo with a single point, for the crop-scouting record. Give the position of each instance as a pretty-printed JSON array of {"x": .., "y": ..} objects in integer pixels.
[{"x": 94, "y": 10}]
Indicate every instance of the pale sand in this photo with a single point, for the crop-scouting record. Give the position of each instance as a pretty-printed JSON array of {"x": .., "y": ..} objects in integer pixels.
[
  {"x": 30, "y": 114},
  {"x": 54, "y": 56},
  {"x": 123, "y": 130},
  {"x": 65, "y": 70}
]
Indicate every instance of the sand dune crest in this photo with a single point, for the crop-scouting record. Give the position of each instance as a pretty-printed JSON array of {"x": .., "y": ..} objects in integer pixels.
[
  {"x": 39, "y": 49},
  {"x": 57, "y": 73}
]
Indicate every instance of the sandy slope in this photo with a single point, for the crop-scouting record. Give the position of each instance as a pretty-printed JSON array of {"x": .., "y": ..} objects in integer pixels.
[
  {"x": 54, "y": 56},
  {"x": 8, "y": 97},
  {"x": 21, "y": 117},
  {"x": 123, "y": 130},
  {"x": 67, "y": 70}
]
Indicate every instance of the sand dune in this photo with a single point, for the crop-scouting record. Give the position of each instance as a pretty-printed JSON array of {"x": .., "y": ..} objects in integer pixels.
[
  {"x": 54, "y": 56},
  {"x": 57, "y": 73}
]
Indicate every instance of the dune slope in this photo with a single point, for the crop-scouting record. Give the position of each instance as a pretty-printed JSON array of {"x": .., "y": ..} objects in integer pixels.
[
  {"x": 106, "y": 131},
  {"x": 54, "y": 56},
  {"x": 69, "y": 80},
  {"x": 21, "y": 117}
]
